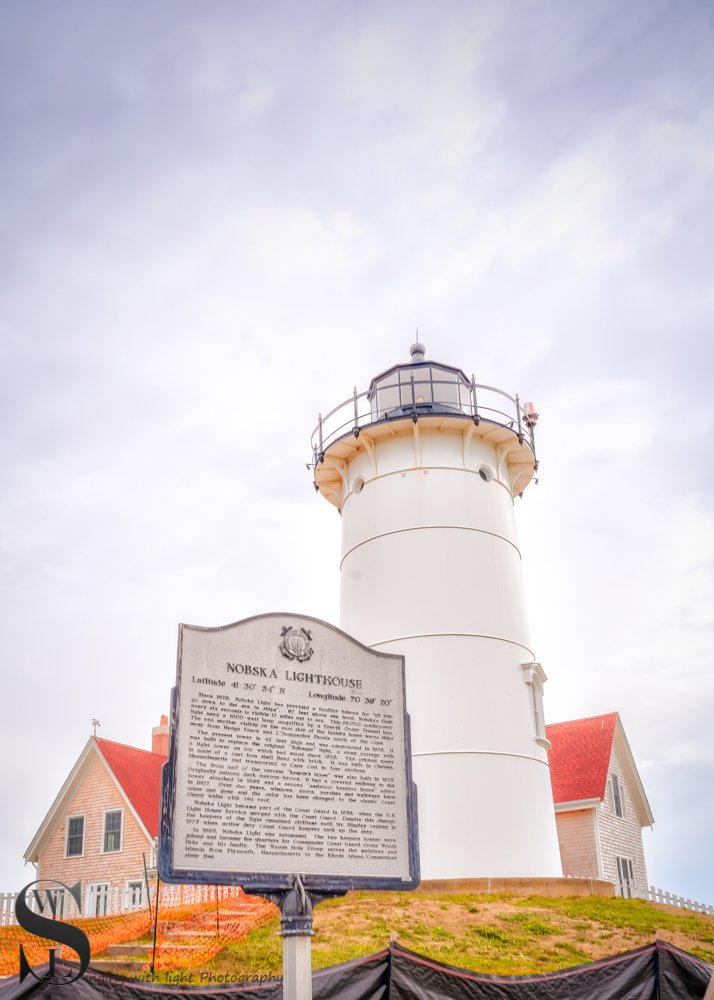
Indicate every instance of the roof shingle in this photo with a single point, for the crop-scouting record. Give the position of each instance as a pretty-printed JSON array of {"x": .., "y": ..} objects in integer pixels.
[{"x": 580, "y": 757}]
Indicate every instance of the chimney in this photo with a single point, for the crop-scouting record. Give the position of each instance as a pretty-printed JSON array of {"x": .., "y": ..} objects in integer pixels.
[{"x": 160, "y": 737}]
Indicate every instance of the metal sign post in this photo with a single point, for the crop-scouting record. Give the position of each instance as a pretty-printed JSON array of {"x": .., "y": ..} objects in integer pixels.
[{"x": 296, "y": 907}]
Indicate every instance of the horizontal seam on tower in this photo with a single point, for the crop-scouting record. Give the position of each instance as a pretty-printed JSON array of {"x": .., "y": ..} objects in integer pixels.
[
  {"x": 491, "y": 753},
  {"x": 473, "y": 635},
  {"x": 425, "y": 527}
]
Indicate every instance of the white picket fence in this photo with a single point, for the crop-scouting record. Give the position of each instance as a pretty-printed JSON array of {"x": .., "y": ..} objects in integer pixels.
[
  {"x": 633, "y": 890},
  {"x": 102, "y": 901}
]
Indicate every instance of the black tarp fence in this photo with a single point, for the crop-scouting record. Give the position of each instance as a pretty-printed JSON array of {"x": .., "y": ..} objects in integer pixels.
[{"x": 657, "y": 971}]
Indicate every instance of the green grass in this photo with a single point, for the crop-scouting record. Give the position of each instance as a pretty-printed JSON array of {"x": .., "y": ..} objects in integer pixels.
[{"x": 500, "y": 935}]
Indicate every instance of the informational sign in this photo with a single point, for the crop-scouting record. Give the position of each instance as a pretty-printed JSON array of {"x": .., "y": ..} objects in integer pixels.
[{"x": 289, "y": 754}]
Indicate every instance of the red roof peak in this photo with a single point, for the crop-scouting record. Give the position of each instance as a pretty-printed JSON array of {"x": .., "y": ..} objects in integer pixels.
[
  {"x": 112, "y": 743},
  {"x": 580, "y": 757},
  {"x": 608, "y": 717}
]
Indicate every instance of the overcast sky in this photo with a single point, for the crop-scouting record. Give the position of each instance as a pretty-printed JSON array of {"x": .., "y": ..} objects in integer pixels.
[{"x": 217, "y": 218}]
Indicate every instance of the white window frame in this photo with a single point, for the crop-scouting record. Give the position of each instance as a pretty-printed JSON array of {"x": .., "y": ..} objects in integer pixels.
[
  {"x": 83, "y": 817},
  {"x": 105, "y": 813},
  {"x": 535, "y": 677},
  {"x": 617, "y": 796}
]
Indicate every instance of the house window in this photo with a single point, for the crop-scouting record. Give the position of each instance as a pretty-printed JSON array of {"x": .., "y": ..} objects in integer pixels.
[
  {"x": 74, "y": 848},
  {"x": 618, "y": 802},
  {"x": 134, "y": 892},
  {"x": 625, "y": 877},
  {"x": 57, "y": 901},
  {"x": 534, "y": 676},
  {"x": 98, "y": 899},
  {"x": 112, "y": 830}
]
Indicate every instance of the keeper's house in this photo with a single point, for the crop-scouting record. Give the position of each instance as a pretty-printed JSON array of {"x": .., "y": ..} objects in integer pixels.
[
  {"x": 600, "y": 804},
  {"x": 102, "y": 827}
]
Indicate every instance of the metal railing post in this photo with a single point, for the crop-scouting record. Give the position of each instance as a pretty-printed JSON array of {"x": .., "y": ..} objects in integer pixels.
[
  {"x": 520, "y": 428},
  {"x": 474, "y": 405},
  {"x": 355, "y": 429}
]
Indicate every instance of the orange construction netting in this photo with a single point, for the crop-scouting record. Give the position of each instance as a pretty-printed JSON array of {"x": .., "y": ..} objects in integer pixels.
[{"x": 188, "y": 934}]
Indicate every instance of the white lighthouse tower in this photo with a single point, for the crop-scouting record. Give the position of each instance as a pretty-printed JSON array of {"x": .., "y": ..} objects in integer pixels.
[{"x": 424, "y": 467}]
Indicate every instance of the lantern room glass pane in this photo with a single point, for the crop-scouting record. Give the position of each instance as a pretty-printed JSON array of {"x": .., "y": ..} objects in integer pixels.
[
  {"x": 385, "y": 398},
  {"x": 446, "y": 389},
  {"x": 426, "y": 387}
]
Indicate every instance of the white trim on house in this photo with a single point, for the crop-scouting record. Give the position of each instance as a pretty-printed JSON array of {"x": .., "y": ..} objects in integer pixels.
[
  {"x": 632, "y": 777},
  {"x": 564, "y": 807},
  {"x": 56, "y": 810}
]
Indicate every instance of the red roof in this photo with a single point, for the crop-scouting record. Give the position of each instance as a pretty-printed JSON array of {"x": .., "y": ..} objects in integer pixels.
[
  {"x": 580, "y": 757},
  {"x": 139, "y": 774}
]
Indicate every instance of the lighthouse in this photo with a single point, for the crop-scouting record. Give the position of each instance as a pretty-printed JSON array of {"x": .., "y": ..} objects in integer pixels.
[{"x": 424, "y": 467}]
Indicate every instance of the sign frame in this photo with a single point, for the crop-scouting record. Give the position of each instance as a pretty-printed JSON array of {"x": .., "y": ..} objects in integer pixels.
[{"x": 279, "y": 882}]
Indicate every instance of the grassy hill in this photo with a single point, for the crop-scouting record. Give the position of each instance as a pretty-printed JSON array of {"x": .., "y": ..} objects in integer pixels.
[{"x": 501, "y": 935}]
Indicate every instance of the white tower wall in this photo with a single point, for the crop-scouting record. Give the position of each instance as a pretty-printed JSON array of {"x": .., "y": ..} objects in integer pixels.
[{"x": 431, "y": 569}]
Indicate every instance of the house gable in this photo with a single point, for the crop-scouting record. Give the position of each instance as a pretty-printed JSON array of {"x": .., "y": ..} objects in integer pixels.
[
  {"x": 135, "y": 774},
  {"x": 96, "y": 794},
  {"x": 579, "y": 760},
  {"x": 584, "y": 756},
  {"x": 59, "y": 807}
]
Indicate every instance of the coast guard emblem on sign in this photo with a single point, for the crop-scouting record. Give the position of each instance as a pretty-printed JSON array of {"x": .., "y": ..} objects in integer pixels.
[{"x": 296, "y": 644}]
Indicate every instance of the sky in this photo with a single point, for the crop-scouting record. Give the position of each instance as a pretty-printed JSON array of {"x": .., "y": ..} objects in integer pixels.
[{"x": 218, "y": 218}]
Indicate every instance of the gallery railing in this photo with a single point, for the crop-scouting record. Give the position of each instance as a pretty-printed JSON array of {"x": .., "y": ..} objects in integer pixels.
[{"x": 410, "y": 394}]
